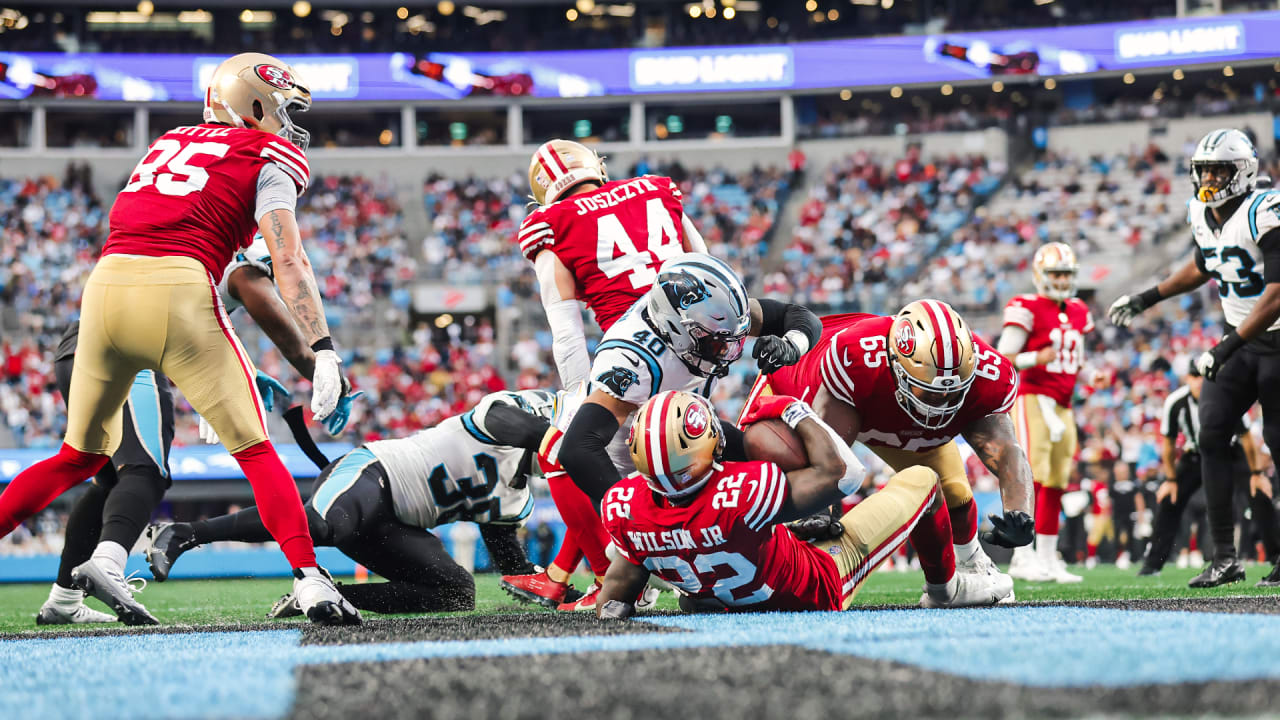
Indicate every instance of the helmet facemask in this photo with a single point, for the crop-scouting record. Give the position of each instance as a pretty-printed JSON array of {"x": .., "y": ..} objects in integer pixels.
[
  {"x": 930, "y": 405},
  {"x": 294, "y": 134},
  {"x": 1217, "y": 181}
]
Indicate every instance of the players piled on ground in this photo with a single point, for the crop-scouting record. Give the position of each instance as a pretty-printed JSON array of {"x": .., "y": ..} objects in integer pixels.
[{"x": 649, "y": 480}]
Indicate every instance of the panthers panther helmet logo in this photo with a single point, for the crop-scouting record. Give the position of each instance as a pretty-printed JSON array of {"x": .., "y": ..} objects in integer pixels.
[
  {"x": 618, "y": 379},
  {"x": 683, "y": 290}
]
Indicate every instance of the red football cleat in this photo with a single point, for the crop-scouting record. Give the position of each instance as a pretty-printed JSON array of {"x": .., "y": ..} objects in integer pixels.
[
  {"x": 538, "y": 588},
  {"x": 586, "y": 602}
]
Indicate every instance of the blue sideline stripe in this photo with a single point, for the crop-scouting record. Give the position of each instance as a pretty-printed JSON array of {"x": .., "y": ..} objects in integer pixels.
[{"x": 144, "y": 406}]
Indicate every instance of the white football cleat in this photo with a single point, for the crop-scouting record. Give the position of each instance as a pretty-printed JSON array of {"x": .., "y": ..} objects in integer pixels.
[
  {"x": 978, "y": 563},
  {"x": 319, "y": 600},
  {"x": 648, "y": 599},
  {"x": 1026, "y": 565},
  {"x": 969, "y": 590},
  {"x": 1057, "y": 572},
  {"x": 52, "y": 613},
  {"x": 102, "y": 580}
]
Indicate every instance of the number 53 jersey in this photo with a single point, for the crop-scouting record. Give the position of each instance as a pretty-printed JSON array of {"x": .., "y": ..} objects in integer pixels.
[
  {"x": 1231, "y": 253},
  {"x": 1049, "y": 324},
  {"x": 723, "y": 544},
  {"x": 851, "y": 362}
]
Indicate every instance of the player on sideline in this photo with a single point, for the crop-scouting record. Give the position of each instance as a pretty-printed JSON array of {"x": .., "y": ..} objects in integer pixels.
[
  {"x": 1236, "y": 230},
  {"x": 152, "y": 303},
  {"x": 906, "y": 386},
  {"x": 600, "y": 242},
  {"x": 711, "y": 528},
  {"x": 1043, "y": 337},
  {"x": 379, "y": 502},
  {"x": 115, "y": 508}
]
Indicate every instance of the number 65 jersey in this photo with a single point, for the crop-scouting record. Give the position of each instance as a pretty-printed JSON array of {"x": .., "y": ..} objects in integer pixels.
[
  {"x": 852, "y": 362},
  {"x": 1231, "y": 253},
  {"x": 1049, "y": 324},
  {"x": 723, "y": 544}
]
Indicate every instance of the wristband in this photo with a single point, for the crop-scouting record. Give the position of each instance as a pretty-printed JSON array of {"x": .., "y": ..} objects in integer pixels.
[
  {"x": 324, "y": 343},
  {"x": 795, "y": 412},
  {"x": 1024, "y": 360},
  {"x": 1150, "y": 296},
  {"x": 799, "y": 339},
  {"x": 1230, "y": 343}
]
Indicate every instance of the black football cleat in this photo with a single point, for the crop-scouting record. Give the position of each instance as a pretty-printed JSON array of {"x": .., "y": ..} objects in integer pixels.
[
  {"x": 1148, "y": 571},
  {"x": 168, "y": 542},
  {"x": 1272, "y": 579},
  {"x": 1222, "y": 571}
]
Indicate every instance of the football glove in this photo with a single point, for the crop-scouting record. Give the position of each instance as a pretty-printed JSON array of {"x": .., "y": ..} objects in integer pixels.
[
  {"x": 816, "y": 528},
  {"x": 769, "y": 407},
  {"x": 1014, "y": 529},
  {"x": 772, "y": 352},
  {"x": 337, "y": 422},
  {"x": 1125, "y": 309},
  {"x": 270, "y": 388},
  {"x": 326, "y": 384}
]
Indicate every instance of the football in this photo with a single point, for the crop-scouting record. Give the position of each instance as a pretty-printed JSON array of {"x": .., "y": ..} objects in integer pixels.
[{"x": 775, "y": 441}]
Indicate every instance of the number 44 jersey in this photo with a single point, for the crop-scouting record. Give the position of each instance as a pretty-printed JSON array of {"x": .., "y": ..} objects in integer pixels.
[
  {"x": 724, "y": 544},
  {"x": 1231, "y": 253},
  {"x": 1050, "y": 324}
]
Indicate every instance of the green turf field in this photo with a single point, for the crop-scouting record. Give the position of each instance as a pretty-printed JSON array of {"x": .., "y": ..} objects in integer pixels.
[{"x": 202, "y": 602}]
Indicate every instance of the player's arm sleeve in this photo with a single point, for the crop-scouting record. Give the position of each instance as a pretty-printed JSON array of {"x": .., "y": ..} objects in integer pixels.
[
  {"x": 625, "y": 371},
  {"x": 276, "y": 191},
  {"x": 286, "y": 156},
  {"x": 535, "y": 236},
  {"x": 693, "y": 241},
  {"x": 835, "y": 376},
  {"x": 1018, "y": 315},
  {"x": 564, "y": 315},
  {"x": 795, "y": 322},
  {"x": 1012, "y": 339},
  {"x": 506, "y": 424},
  {"x": 765, "y": 498}
]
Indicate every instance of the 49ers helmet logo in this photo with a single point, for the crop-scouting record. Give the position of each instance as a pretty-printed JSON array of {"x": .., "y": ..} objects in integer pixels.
[
  {"x": 696, "y": 420},
  {"x": 905, "y": 341},
  {"x": 275, "y": 76}
]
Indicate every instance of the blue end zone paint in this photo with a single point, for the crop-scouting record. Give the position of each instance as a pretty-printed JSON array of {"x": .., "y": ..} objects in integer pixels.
[{"x": 251, "y": 674}]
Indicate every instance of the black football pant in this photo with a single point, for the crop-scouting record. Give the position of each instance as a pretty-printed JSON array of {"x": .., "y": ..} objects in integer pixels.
[
  {"x": 119, "y": 501},
  {"x": 1247, "y": 376},
  {"x": 351, "y": 509}
]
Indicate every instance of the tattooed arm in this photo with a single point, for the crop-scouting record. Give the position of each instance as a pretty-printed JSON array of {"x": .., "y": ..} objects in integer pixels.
[
  {"x": 294, "y": 275},
  {"x": 994, "y": 440}
]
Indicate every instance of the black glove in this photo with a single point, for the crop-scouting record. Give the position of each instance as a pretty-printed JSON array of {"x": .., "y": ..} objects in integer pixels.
[
  {"x": 1211, "y": 362},
  {"x": 1015, "y": 529},
  {"x": 772, "y": 352},
  {"x": 817, "y": 527}
]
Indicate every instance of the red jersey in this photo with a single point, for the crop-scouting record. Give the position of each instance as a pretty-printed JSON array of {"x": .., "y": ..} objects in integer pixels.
[
  {"x": 1061, "y": 325},
  {"x": 852, "y": 362},
  {"x": 724, "y": 544},
  {"x": 195, "y": 192},
  {"x": 613, "y": 240}
]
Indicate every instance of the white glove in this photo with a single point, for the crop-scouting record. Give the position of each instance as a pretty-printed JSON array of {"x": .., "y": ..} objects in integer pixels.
[
  {"x": 207, "y": 432},
  {"x": 1054, "y": 424},
  {"x": 326, "y": 384}
]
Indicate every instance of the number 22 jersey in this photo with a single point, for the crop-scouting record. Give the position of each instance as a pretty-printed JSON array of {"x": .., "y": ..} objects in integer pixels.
[
  {"x": 724, "y": 543},
  {"x": 194, "y": 193}
]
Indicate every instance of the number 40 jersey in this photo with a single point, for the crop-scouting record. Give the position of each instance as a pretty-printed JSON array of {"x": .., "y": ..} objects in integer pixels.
[
  {"x": 1050, "y": 324},
  {"x": 1231, "y": 253}
]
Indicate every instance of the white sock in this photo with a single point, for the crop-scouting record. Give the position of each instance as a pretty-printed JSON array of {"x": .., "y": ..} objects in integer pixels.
[
  {"x": 946, "y": 589},
  {"x": 1047, "y": 548},
  {"x": 112, "y": 553},
  {"x": 964, "y": 551},
  {"x": 66, "y": 597}
]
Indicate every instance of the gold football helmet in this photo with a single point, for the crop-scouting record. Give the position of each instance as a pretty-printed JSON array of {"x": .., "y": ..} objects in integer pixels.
[
  {"x": 931, "y": 351},
  {"x": 559, "y": 165},
  {"x": 257, "y": 91},
  {"x": 1054, "y": 271},
  {"x": 676, "y": 440}
]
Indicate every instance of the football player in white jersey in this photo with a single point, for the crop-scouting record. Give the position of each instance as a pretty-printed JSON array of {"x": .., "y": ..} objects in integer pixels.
[
  {"x": 379, "y": 502},
  {"x": 1236, "y": 229}
]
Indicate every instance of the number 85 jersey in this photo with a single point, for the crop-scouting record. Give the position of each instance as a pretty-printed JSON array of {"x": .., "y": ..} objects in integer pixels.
[
  {"x": 1049, "y": 324},
  {"x": 851, "y": 362},
  {"x": 1232, "y": 254}
]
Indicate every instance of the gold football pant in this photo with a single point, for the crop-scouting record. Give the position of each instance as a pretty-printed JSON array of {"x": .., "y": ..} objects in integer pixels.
[
  {"x": 159, "y": 313},
  {"x": 876, "y": 527},
  {"x": 1050, "y": 461}
]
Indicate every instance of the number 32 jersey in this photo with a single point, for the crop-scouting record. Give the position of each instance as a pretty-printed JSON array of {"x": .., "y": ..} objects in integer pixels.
[
  {"x": 612, "y": 239},
  {"x": 1231, "y": 254},
  {"x": 194, "y": 193},
  {"x": 1049, "y": 324},
  {"x": 852, "y": 362},
  {"x": 723, "y": 544}
]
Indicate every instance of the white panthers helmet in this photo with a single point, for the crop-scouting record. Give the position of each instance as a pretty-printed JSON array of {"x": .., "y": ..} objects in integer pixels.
[
  {"x": 698, "y": 306},
  {"x": 1224, "y": 166}
]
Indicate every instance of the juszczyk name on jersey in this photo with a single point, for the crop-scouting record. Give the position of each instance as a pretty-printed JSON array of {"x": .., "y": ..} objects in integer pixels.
[
  {"x": 614, "y": 196},
  {"x": 677, "y": 539}
]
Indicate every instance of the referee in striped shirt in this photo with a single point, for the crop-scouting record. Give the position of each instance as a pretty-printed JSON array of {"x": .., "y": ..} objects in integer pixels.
[{"x": 1181, "y": 416}]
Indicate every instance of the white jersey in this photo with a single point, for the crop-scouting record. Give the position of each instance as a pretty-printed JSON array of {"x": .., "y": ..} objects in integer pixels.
[
  {"x": 633, "y": 364},
  {"x": 1231, "y": 253},
  {"x": 256, "y": 255},
  {"x": 457, "y": 471}
]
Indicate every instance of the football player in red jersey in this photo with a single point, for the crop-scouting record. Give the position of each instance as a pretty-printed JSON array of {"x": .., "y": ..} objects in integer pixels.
[
  {"x": 152, "y": 302},
  {"x": 906, "y": 386},
  {"x": 1044, "y": 338},
  {"x": 711, "y": 528},
  {"x": 601, "y": 243}
]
